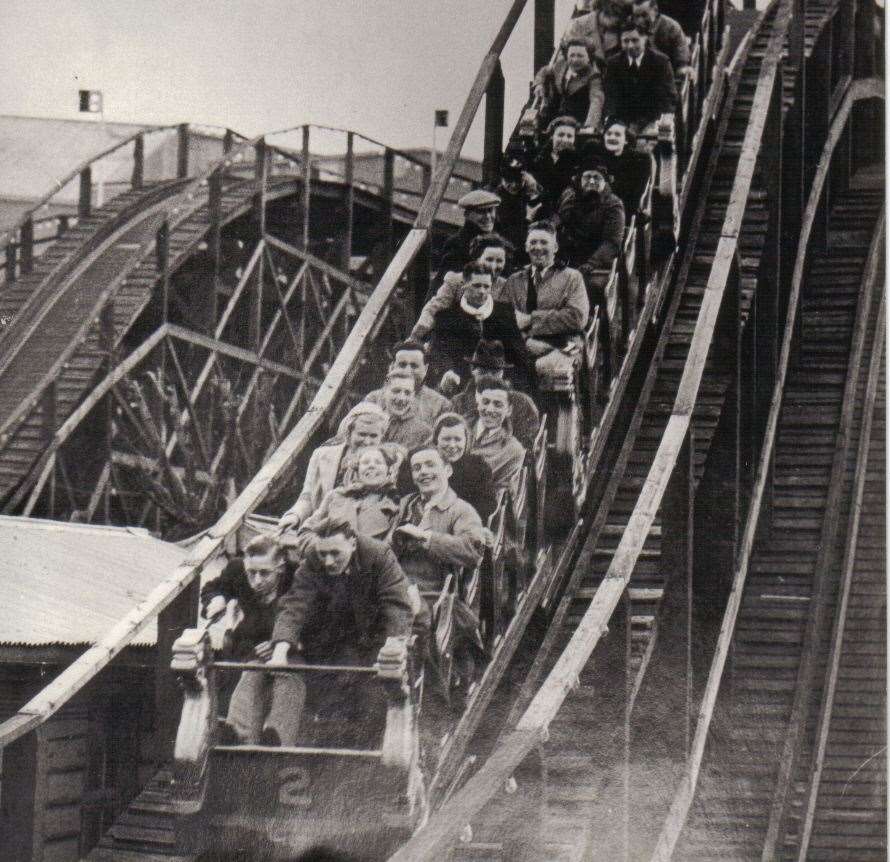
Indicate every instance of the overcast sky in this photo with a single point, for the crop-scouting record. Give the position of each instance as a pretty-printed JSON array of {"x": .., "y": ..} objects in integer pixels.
[{"x": 379, "y": 67}]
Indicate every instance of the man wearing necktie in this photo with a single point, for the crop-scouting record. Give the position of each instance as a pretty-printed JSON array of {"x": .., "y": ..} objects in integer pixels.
[
  {"x": 640, "y": 84},
  {"x": 550, "y": 299}
]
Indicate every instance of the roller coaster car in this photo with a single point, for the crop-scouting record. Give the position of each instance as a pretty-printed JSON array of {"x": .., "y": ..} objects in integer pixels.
[{"x": 275, "y": 802}]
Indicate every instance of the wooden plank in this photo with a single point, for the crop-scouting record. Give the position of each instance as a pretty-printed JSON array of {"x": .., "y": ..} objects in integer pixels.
[
  {"x": 226, "y": 349},
  {"x": 683, "y": 800}
]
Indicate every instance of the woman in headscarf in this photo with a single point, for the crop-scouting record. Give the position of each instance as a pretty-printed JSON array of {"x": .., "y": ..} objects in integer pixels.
[
  {"x": 471, "y": 478},
  {"x": 369, "y": 500}
]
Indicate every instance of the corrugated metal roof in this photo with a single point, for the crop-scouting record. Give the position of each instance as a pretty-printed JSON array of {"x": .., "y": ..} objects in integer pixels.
[{"x": 67, "y": 583}]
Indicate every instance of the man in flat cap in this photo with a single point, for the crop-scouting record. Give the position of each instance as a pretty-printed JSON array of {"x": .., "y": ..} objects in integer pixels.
[{"x": 480, "y": 212}]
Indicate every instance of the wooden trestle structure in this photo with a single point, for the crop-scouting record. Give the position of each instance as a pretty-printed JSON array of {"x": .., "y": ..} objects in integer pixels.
[{"x": 646, "y": 612}]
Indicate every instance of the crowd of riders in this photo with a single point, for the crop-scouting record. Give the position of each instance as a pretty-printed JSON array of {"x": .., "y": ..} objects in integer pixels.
[{"x": 396, "y": 506}]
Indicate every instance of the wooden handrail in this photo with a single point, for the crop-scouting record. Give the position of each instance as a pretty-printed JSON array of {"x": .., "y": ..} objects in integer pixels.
[
  {"x": 683, "y": 799},
  {"x": 71, "y": 175},
  {"x": 50, "y": 699},
  {"x": 431, "y": 842}
]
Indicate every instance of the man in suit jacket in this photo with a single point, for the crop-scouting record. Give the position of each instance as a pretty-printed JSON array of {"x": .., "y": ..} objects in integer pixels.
[
  {"x": 640, "y": 83},
  {"x": 347, "y": 598},
  {"x": 477, "y": 315},
  {"x": 330, "y": 465},
  {"x": 550, "y": 299}
]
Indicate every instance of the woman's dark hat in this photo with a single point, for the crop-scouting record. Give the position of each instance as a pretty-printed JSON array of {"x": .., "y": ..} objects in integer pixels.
[{"x": 488, "y": 354}]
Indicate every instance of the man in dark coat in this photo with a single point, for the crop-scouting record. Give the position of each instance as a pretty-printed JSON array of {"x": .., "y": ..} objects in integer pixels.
[
  {"x": 591, "y": 225},
  {"x": 458, "y": 330},
  {"x": 573, "y": 88},
  {"x": 665, "y": 34},
  {"x": 640, "y": 83},
  {"x": 348, "y": 597},
  {"x": 255, "y": 582},
  {"x": 480, "y": 213}
]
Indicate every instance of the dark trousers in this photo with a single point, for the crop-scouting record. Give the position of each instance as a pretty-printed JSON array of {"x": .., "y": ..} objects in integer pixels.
[{"x": 357, "y": 698}]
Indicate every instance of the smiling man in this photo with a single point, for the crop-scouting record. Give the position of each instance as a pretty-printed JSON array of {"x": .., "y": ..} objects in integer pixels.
[
  {"x": 400, "y": 404},
  {"x": 437, "y": 534},
  {"x": 478, "y": 315},
  {"x": 493, "y": 439},
  {"x": 550, "y": 299},
  {"x": 410, "y": 356}
]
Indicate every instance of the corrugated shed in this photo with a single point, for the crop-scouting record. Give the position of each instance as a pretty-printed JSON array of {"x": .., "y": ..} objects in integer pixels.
[{"x": 64, "y": 583}]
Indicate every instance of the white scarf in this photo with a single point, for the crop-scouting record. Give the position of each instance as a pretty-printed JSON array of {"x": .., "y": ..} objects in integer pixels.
[{"x": 482, "y": 313}]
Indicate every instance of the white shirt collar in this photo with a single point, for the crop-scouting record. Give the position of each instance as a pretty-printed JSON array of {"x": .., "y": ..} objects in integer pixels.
[{"x": 635, "y": 61}]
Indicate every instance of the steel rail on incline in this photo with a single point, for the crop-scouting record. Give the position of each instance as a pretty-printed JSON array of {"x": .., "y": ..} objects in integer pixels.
[
  {"x": 81, "y": 671},
  {"x": 673, "y": 826},
  {"x": 442, "y": 831}
]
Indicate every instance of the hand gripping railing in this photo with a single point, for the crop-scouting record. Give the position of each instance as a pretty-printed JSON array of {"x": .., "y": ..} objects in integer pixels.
[{"x": 88, "y": 665}]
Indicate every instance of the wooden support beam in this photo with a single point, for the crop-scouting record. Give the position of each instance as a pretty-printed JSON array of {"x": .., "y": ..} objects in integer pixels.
[
  {"x": 182, "y": 150},
  {"x": 162, "y": 263},
  {"x": 214, "y": 237},
  {"x": 306, "y": 197},
  {"x": 494, "y": 128},
  {"x": 389, "y": 159},
  {"x": 257, "y": 295},
  {"x": 345, "y": 255},
  {"x": 545, "y": 29},
  {"x": 239, "y": 353},
  {"x": 10, "y": 262},
  {"x": 138, "y": 176},
  {"x": 26, "y": 245},
  {"x": 85, "y": 193}
]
